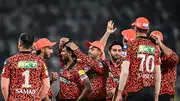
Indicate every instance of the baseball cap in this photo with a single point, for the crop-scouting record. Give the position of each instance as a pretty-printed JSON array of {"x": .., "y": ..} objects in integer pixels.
[
  {"x": 98, "y": 45},
  {"x": 141, "y": 23},
  {"x": 158, "y": 33},
  {"x": 129, "y": 34},
  {"x": 43, "y": 42}
]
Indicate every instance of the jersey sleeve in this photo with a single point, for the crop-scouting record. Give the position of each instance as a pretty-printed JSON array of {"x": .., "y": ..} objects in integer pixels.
[
  {"x": 110, "y": 82},
  {"x": 81, "y": 76},
  {"x": 89, "y": 62},
  {"x": 172, "y": 59},
  {"x": 6, "y": 69},
  {"x": 44, "y": 71},
  {"x": 126, "y": 55},
  {"x": 157, "y": 59}
]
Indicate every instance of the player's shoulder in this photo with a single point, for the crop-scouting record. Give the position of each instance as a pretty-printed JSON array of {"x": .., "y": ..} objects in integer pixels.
[
  {"x": 149, "y": 42},
  {"x": 132, "y": 45},
  {"x": 132, "y": 42},
  {"x": 40, "y": 60},
  {"x": 13, "y": 58}
]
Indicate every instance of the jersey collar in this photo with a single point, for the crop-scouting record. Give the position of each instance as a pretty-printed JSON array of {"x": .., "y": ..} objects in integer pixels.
[{"x": 25, "y": 52}]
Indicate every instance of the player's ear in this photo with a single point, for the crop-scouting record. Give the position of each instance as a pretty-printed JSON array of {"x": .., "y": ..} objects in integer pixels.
[
  {"x": 42, "y": 49},
  {"x": 99, "y": 51},
  {"x": 19, "y": 44},
  {"x": 70, "y": 53}
]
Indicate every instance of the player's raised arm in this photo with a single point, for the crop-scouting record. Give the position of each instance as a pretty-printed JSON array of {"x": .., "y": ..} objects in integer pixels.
[
  {"x": 62, "y": 41},
  {"x": 110, "y": 29},
  {"x": 86, "y": 60}
]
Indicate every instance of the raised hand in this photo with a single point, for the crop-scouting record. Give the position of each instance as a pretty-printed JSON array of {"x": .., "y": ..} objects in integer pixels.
[{"x": 110, "y": 27}]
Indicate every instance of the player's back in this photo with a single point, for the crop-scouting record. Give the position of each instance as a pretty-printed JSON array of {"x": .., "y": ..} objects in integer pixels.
[
  {"x": 25, "y": 73},
  {"x": 144, "y": 55}
]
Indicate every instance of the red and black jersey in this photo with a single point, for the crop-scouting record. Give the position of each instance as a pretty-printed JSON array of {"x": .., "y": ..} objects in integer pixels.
[
  {"x": 143, "y": 55},
  {"x": 96, "y": 72},
  {"x": 168, "y": 73},
  {"x": 72, "y": 81},
  {"x": 113, "y": 77},
  {"x": 25, "y": 72}
]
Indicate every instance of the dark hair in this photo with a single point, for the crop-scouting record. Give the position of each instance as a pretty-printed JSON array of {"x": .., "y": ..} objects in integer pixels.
[
  {"x": 142, "y": 30},
  {"x": 26, "y": 40},
  {"x": 69, "y": 49},
  {"x": 115, "y": 43},
  {"x": 38, "y": 52}
]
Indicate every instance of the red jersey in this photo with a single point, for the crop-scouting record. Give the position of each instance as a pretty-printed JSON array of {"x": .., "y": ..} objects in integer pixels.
[
  {"x": 96, "y": 73},
  {"x": 113, "y": 78},
  {"x": 168, "y": 73},
  {"x": 143, "y": 56},
  {"x": 25, "y": 72},
  {"x": 72, "y": 81}
]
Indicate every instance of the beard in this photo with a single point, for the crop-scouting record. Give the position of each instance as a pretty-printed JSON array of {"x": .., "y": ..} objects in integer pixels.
[
  {"x": 115, "y": 58},
  {"x": 65, "y": 59},
  {"x": 46, "y": 56},
  {"x": 92, "y": 56}
]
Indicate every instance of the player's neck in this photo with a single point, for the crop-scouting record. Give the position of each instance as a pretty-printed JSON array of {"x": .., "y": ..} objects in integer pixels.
[
  {"x": 23, "y": 49},
  {"x": 113, "y": 62},
  {"x": 97, "y": 58},
  {"x": 69, "y": 62}
]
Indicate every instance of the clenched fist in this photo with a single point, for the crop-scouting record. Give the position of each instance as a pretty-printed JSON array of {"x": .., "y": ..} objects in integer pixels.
[
  {"x": 54, "y": 76},
  {"x": 63, "y": 40}
]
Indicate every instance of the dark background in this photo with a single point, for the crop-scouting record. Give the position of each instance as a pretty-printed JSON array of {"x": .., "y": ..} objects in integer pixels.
[{"x": 83, "y": 20}]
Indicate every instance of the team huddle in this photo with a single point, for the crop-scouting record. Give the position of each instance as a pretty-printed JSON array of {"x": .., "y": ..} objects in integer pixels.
[{"x": 141, "y": 68}]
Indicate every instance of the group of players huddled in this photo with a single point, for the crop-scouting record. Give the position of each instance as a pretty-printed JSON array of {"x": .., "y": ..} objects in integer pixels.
[{"x": 141, "y": 68}]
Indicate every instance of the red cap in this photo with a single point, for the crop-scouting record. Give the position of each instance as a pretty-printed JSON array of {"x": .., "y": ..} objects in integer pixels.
[
  {"x": 43, "y": 42},
  {"x": 129, "y": 34},
  {"x": 158, "y": 33},
  {"x": 141, "y": 23},
  {"x": 97, "y": 44}
]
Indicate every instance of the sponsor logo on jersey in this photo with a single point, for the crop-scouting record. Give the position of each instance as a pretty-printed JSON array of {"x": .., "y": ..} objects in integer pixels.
[
  {"x": 100, "y": 64},
  {"x": 27, "y": 64},
  {"x": 146, "y": 49},
  {"x": 86, "y": 69},
  {"x": 124, "y": 54}
]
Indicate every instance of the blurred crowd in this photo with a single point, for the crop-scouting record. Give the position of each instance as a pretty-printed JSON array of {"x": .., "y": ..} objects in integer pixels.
[{"x": 82, "y": 20}]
